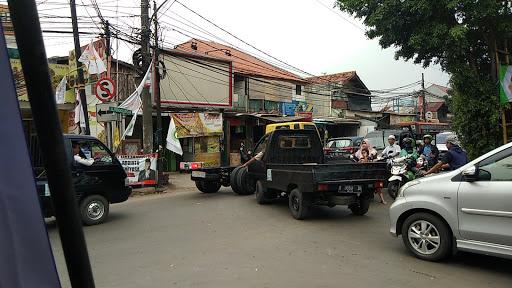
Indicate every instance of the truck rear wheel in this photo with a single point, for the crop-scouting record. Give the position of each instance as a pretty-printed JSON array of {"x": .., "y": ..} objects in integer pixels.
[
  {"x": 298, "y": 204},
  {"x": 361, "y": 207},
  {"x": 94, "y": 209},
  {"x": 244, "y": 184},
  {"x": 233, "y": 180},
  {"x": 208, "y": 187}
]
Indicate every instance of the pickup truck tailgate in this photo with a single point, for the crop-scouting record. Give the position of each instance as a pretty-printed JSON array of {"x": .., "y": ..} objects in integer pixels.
[{"x": 350, "y": 172}]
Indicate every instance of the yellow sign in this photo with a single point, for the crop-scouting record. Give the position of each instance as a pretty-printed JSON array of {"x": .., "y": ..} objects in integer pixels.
[
  {"x": 197, "y": 124},
  {"x": 57, "y": 72}
]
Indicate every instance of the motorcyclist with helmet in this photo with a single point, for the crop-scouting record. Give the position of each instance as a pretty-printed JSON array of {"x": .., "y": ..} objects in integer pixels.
[
  {"x": 409, "y": 150},
  {"x": 429, "y": 151},
  {"x": 455, "y": 158}
]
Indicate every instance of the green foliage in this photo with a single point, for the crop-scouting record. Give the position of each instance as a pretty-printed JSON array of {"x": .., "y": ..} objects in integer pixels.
[
  {"x": 460, "y": 35},
  {"x": 477, "y": 113}
]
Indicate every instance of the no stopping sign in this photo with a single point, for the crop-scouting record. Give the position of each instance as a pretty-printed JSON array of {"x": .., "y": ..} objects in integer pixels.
[{"x": 105, "y": 89}]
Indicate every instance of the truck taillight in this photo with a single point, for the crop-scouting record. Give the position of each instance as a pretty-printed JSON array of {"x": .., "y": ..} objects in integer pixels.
[
  {"x": 323, "y": 187},
  {"x": 191, "y": 165},
  {"x": 379, "y": 184}
]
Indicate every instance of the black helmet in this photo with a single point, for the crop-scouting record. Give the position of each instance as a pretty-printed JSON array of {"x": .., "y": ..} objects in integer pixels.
[{"x": 408, "y": 143}]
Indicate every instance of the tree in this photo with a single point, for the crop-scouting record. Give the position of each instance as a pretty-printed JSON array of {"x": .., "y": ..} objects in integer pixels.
[{"x": 460, "y": 35}]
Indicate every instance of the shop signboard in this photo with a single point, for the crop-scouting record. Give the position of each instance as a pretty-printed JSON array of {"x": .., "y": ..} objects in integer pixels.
[
  {"x": 141, "y": 169},
  {"x": 197, "y": 124},
  {"x": 307, "y": 116}
]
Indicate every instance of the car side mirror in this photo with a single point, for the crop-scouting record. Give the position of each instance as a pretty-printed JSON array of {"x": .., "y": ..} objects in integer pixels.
[{"x": 470, "y": 174}]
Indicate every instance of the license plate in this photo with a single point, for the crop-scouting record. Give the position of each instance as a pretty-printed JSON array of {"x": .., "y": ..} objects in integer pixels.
[
  {"x": 199, "y": 174},
  {"x": 350, "y": 189}
]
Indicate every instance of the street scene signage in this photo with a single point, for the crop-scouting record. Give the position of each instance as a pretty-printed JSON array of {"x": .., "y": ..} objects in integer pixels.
[
  {"x": 121, "y": 111},
  {"x": 104, "y": 114},
  {"x": 197, "y": 124},
  {"x": 105, "y": 89}
]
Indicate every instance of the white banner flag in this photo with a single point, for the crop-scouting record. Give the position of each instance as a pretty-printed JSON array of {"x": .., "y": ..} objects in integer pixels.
[
  {"x": 134, "y": 104},
  {"x": 172, "y": 141},
  {"x": 60, "y": 91},
  {"x": 79, "y": 112},
  {"x": 92, "y": 60}
]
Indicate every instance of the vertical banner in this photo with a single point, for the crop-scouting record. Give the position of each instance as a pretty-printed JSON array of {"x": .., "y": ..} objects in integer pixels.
[
  {"x": 506, "y": 84},
  {"x": 26, "y": 258}
]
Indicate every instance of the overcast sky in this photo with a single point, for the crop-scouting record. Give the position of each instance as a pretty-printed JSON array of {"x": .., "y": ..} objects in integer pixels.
[{"x": 304, "y": 33}]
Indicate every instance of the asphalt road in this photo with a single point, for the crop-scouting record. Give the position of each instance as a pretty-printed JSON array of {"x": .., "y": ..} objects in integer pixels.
[{"x": 189, "y": 239}]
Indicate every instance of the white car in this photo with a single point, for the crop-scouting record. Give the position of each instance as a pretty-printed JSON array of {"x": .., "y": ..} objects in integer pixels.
[
  {"x": 468, "y": 209},
  {"x": 441, "y": 141}
]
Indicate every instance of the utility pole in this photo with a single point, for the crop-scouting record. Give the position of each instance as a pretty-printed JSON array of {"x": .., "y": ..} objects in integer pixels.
[
  {"x": 108, "y": 125},
  {"x": 147, "y": 109},
  {"x": 80, "y": 73},
  {"x": 156, "y": 91},
  {"x": 424, "y": 100}
]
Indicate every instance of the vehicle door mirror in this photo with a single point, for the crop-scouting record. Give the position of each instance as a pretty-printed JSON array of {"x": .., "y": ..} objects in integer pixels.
[{"x": 470, "y": 174}]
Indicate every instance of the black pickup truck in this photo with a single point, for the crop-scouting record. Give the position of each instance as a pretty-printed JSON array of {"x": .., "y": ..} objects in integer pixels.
[
  {"x": 96, "y": 186},
  {"x": 293, "y": 166}
]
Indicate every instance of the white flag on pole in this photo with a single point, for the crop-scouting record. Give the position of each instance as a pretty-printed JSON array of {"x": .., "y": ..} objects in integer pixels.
[
  {"x": 172, "y": 141},
  {"x": 79, "y": 112},
  {"x": 60, "y": 91},
  {"x": 134, "y": 104},
  {"x": 92, "y": 60}
]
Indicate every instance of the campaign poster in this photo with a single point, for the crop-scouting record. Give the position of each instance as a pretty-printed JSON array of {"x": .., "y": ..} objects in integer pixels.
[{"x": 141, "y": 169}]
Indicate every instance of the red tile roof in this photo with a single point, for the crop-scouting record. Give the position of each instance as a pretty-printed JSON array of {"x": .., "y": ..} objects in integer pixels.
[
  {"x": 434, "y": 106},
  {"x": 243, "y": 63},
  {"x": 341, "y": 78},
  {"x": 442, "y": 88}
]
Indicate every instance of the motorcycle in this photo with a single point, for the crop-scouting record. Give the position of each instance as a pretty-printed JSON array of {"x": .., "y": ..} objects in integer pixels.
[{"x": 402, "y": 171}]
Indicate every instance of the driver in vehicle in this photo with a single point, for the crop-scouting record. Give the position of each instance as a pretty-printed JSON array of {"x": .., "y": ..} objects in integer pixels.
[
  {"x": 78, "y": 155},
  {"x": 453, "y": 159}
]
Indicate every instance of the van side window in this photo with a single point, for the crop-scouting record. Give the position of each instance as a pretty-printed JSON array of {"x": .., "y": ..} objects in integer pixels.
[
  {"x": 99, "y": 153},
  {"x": 497, "y": 167}
]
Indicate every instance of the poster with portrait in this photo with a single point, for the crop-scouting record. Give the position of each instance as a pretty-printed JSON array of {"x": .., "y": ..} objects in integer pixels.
[{"x": 141, "y": 169}]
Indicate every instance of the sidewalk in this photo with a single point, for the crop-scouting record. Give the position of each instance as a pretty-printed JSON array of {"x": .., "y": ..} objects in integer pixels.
[{"x": 177, "y": 182}]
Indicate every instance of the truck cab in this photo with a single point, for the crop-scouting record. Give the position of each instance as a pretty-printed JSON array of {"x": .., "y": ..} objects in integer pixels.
[{"x": 96, "y": 186}]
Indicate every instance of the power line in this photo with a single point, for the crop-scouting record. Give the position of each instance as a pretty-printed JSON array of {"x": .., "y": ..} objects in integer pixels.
[
  {"x": 246, "y": 43},
  {"x": 339, "y": 15}
]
